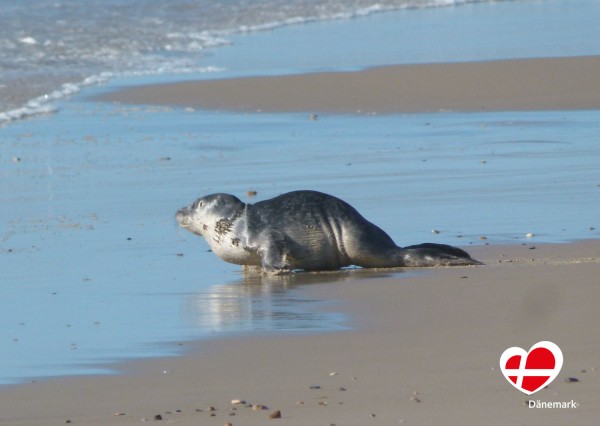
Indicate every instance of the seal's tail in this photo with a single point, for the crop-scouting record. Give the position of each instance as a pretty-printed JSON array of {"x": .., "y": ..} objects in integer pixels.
[{"x": 430, "y": 254}]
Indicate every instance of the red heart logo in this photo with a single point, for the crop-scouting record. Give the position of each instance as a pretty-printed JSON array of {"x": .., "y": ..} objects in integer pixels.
[{"x": 531, "y": 371}]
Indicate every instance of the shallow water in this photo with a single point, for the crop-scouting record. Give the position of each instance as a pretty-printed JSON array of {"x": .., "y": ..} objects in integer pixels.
[
  {"x": 50, "y": 49},
  {"x": 94, "y": 267},
  {"x": 471, "y": 32}
]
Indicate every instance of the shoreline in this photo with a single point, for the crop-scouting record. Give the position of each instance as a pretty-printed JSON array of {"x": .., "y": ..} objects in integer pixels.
[
  {"x": 97, "y": 184},
  {"x": 432, "y": 343},
  {"x": 565, "y": 83}
]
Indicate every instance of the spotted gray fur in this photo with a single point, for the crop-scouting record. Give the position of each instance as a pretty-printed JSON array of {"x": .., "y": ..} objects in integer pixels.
[{"x": 305, "y": 230}]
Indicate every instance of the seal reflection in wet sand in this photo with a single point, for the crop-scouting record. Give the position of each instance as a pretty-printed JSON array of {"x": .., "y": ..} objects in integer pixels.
[{"x": 304, "y": 230}]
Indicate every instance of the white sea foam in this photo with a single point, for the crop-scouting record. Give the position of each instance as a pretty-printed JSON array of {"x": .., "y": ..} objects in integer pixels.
[
  {"x": 46, "y": 104},
  {"x": 28, "y": 40}
]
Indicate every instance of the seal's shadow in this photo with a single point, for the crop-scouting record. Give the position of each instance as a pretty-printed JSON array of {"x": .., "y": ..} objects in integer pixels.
[{"x": 256, "y": 302}]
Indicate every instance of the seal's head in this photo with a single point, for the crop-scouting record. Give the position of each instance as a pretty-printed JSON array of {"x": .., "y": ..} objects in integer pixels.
[{"x": 210, "y": 215}]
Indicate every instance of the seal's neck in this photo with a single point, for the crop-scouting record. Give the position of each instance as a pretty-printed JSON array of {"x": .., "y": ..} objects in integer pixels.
[{"x": 225, "y": 225}]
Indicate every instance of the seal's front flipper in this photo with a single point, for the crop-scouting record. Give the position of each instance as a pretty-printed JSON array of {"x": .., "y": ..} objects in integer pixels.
[
  {"x": 274, "y": 261},
  {"x": 430, "y": 254}
]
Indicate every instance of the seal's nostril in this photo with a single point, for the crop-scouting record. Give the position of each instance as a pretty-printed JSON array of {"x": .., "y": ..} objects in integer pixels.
[{"x": 182, "y": 216}]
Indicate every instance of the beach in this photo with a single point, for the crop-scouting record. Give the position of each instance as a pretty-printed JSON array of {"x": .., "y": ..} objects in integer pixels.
[
  {"x": 509, "y": 85},
  {"x": 467, "y": 135},
  {"x": 423, "y": 349}
]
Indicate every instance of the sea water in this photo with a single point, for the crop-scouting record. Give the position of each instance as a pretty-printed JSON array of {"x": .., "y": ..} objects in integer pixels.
[
  {"x": 93, "y": 266},
  {"x": 51, "y": 48}
]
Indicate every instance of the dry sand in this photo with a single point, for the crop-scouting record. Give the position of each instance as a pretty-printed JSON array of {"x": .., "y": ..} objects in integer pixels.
[
  {"x": 423, "y": 350},
  {"x": 529, "y": 84}
]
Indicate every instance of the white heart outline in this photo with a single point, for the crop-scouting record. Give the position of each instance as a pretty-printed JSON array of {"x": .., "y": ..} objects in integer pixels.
[{"x": 515, "y": 350}]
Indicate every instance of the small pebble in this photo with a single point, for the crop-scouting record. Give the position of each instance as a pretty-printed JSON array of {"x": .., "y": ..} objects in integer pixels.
[
  {"x": 435, "y": 231},
  {"x": 315, "y": 387},
  {"x": 158, "y": 417},
  {"x": 372, "y": 415},
  {"x": 211, "y": 408},
  {"x": 322, "y": 403},
  {"x": 251, "y": 193},
  {"x": 530, "y": 235},
  {"x": 237, "y": 401},
  {"x": 275, "y": 415},
  {"x": 333, "y": 373},
  {"x": 483, "y": 237},
  {"x": 571, "y": 380},
  {"x": 119, "y": 414},
  {"x": 259, "y": 407},
  {"x": 342, "y": 389}
]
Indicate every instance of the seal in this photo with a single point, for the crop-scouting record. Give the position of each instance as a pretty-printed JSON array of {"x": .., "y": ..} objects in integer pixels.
[{"x": 304, "y": 230}]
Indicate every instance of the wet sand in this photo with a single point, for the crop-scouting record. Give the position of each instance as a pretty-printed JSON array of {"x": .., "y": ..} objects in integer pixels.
[
  {"x": 569, "y": 83},
  {"x": 423, "y": 350}
]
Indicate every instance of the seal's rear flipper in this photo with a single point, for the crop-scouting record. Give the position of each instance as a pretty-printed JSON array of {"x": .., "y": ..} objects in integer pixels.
[{"x": 430, "y": 254}]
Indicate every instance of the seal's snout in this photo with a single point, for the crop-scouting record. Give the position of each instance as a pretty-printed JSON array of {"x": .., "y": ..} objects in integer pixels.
[{"x": 183, "y": 216}]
